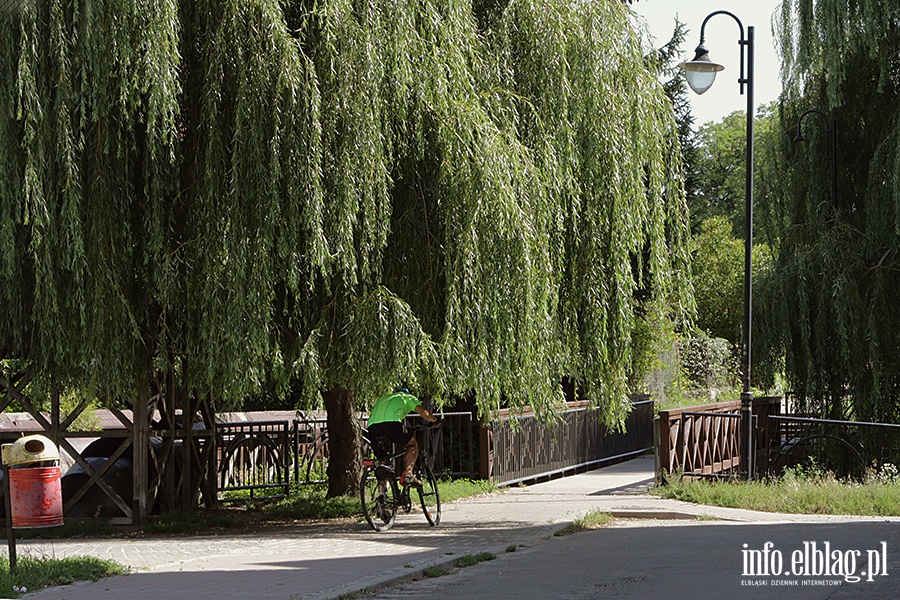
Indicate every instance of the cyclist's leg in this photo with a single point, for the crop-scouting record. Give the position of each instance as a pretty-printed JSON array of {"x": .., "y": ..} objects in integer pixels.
[
  {"x": 395, "y": 432},
  {"x": 409, "y": 459}
]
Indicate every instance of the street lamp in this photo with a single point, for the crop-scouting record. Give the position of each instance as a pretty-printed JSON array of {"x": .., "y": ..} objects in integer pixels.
[
  {"x": 830, "y": 148},
  {"x": 700, "y": 74}
]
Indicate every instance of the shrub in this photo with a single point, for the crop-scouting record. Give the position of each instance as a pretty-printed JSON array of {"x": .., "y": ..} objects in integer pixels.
[{"x": 710, "y": 363}]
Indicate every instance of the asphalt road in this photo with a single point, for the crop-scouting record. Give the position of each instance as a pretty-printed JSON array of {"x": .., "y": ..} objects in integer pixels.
[{"x": 672, "y": 561}]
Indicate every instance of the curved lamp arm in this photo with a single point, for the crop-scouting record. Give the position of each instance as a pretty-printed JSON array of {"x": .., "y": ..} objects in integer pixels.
[
  {"x": 701, "y": 71},
  {"x": 743, "y": 42}
]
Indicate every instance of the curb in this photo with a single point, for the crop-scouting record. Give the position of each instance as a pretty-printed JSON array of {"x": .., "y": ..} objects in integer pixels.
[
  {"x": 411, "y": 575},
  {"x": 664, "y": 515}
]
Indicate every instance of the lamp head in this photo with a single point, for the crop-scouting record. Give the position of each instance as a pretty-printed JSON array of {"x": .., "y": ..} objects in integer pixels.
[{"x": 701, "y": 72}]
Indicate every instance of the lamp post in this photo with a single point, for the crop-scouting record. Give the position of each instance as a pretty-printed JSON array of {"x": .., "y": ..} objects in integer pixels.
[
  {"x": 701, "y": 73},
  {"x": 830, "y": 148}
]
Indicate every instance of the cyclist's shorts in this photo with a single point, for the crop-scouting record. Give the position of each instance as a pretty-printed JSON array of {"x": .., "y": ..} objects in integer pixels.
[{"x": 392, "y": 430}]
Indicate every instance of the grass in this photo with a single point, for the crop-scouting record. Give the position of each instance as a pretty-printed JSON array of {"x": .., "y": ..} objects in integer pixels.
[
  {"x": 469, "y": 559},
  {"x": 176, "y": 523},
  {"x": 797, "y": 492},
  {"x": 309, "y": 502},
  {"x": 592, "y": 520},
  {"x": 460, "y": 563},
  {"x": 34, "y": 573},
  {"x": 454, "y": 489},
  {"x": 465, "y": 561},
  {"x": 435, "y": 571}
]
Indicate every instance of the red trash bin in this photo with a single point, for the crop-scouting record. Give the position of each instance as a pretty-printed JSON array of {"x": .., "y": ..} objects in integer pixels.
[
  {"x": 35, "y": 497},
  {"x": 35, "y": 492}
]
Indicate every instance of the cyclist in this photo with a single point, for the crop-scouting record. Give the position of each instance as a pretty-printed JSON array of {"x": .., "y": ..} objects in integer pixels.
[{"x": 386, "y": 420}]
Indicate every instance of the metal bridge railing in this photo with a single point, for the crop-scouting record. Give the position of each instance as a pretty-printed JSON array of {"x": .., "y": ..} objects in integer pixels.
[
  {"x": 520, "y": 448},
  {"x": 705, "y": 441},
  {"x": 847, "y": 449},
  {"x": 253, "y": 456},
  {"x": 265, "y": 457}
]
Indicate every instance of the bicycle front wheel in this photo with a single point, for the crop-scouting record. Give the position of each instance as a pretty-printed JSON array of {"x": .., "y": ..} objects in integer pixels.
[
  {"x": 430, "y": 497},
  {"x": 378, "y": 499}
]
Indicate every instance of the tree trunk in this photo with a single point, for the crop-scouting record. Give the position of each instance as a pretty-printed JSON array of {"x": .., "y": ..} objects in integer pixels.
[{"x": 343, "y": 443}]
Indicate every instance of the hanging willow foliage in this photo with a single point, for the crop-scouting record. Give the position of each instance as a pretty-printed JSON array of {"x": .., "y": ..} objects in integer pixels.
[
  {"x": 354, "y": 192},
  {"x": 252, "y": 209},
  {"x": 838, "y": 274},
  {"x": 444, "y": 203},
  {"x": 606, "y": 142},
  {"x": 88, "y": 138}
]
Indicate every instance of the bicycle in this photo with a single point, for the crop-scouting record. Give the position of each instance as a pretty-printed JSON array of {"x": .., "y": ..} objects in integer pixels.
[{"x": 379, "y": 492}]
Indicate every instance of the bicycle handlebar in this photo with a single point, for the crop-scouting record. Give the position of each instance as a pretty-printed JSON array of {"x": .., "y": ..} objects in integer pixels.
[{"x": 427, "y": 424}]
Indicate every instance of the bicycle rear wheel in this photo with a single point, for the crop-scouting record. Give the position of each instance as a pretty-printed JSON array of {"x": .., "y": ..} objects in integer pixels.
[
  {"x": 378, "y": 499},
  {"x": 429, "y": 496}
]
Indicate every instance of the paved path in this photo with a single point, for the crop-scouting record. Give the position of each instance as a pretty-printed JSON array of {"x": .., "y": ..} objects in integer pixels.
[{"x": 328, "y": 561}]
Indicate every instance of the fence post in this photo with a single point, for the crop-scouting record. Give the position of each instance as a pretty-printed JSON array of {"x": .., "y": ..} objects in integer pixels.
[
  {"x": 486, "y": 450},
  {"x": 747, "y": 444},
  {"x": 657, "y": 469},
  {"x": 140, "y": 504},
  {"x": 665, "y": 442}
]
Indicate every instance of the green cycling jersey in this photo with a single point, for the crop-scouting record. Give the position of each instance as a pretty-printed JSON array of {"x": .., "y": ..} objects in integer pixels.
[{"x": 392, "y": 408}]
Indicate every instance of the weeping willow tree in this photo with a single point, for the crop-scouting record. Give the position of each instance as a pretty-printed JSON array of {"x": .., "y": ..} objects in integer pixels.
[
  {"x": 348, "y": 193},
  {"x": 839, "y": 271},
  {"x": 525, "y": 192}
]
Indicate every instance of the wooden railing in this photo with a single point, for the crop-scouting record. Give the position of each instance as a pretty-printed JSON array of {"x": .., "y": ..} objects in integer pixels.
[
  {"x": 261, "y": 456},
  {"x": 704, "y": 441}
]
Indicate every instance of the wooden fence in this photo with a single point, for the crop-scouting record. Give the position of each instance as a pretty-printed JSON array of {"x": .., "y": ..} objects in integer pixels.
[{"x": 168, "y": 454}]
